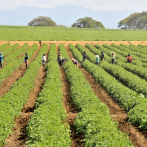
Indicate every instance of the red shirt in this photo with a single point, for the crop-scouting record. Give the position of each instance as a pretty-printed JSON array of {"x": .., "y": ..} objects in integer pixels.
[
  {"x": 74, "y": 61},
  {"x": 129, "y": 58}
]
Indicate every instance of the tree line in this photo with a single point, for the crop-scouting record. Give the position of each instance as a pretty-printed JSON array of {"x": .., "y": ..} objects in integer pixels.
[{"x": 133, "y": 21}]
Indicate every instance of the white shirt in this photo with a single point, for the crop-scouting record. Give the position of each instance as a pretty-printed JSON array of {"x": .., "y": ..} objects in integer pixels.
[{"x": 44, "y": 58}]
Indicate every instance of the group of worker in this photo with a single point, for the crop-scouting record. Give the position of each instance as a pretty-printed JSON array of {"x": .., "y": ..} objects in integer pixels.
[
  {"x": 113, "y": 57},
  {"x": 61, "y": 59}
]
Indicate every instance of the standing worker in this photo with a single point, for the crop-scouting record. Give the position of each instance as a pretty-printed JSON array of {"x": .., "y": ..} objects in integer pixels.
[
  {"x": 102, "y": 56},
  {"x": 60, "y": 59},
  {"x": 40, "y": 42},
  {"x": 26, "y": 59},
  {"x": 113, "y": 57},
  {"x": 75, "y": 62},
  {"x": 1, "y": 59},
  {"x": 129, "y": 59},
  {"x": 97, "y": 59},
  {"x": 43, "y": 60},
  {"x": 84, "y": 56}
]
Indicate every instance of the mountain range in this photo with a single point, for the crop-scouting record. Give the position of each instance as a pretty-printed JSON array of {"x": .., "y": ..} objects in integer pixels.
[{"x": 62, "y": 15}]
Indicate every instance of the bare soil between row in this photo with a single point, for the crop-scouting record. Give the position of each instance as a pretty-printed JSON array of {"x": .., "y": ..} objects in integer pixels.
[
  {"x": 19, "y": 136},
  {"x": 66, "y": 43},
  {"x": 137, "y": 136}
]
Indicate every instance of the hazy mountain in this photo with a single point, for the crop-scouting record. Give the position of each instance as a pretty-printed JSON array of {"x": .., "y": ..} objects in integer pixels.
[{"x": 65, "y": 15}]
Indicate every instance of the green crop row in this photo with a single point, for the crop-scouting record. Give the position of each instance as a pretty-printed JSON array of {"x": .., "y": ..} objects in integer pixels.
[
  {"x": 18, "y": 52},
  {"x": 9, "y": 68},
  {"x": 120, "y": 60},
  {"x": 47, "y": 124},
  {"x": 129, "y": 79},
  {"x": 137, "y": 54},
  {"x": 93, "y": 120},
  {"x": 139, "y": 48},
  {"x": 12, "y": 102},
  {"x": 126, "y": 97},
  {"x": 10, "y": 49},
  {"x": 125, "y": 51},
  {"x": 4, "y": 46},
  {"x": 89, "y": 55}
]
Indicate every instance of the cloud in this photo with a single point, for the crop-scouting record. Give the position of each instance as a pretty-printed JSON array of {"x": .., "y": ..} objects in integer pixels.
[{"x": 137, "y": 5}]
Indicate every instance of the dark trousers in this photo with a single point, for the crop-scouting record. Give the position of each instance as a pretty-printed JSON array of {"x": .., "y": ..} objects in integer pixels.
[
  {"x": 1, "y": 64},
  {"x": 112, "y": 61},
  {"x": 60, "y": 62}
]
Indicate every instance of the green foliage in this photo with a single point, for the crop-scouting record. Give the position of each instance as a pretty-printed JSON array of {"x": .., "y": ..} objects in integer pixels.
[
  {"x": 14, "y": 64},
  {"x": 12, "y": 102},
  {"x": 46, "y": 127},
  {"x": 4, "y": 46},
  {"x": 93, "y": 119},
  {"x": 28, "y": 33},
  {"x": 135, "y": 21},
  {"x": 87, "y": 22},
  {"x": 42, "y": 21}
]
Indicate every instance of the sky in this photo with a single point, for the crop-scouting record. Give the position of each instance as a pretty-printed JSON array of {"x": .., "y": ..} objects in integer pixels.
[{"x": 119, "y": 5}]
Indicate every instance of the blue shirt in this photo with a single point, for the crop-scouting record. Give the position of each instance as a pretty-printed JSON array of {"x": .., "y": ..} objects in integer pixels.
[
  {"x": 97, "y": 59},
  {"x": 1, "y": 57}
]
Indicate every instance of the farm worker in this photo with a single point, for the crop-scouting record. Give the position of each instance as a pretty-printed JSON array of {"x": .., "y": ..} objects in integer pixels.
[
  {"x": 129, "y": 59},
  {"x": 60, "y": 59},
  {"x": 84, "y": 56},
  {"x": 102, "y": 56},
  {"x": 113, "y": 56},
  {"x": 75, "y": 62},
  {"x": 26, "y": 59},
  {"x": 1, "y": 59},
  {"x": 43, "y": 59},
  {"x": 97, "y": 59},
  {"x": 40, "y": 42}
]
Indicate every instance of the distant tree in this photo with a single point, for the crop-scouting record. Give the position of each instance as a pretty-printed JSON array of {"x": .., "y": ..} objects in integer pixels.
[
  {"x": 87, "y": 22},
  {"x": 61, "y": 26},
  {"x": 42, "y": 21},
  {"x": 134, "y": 21}
]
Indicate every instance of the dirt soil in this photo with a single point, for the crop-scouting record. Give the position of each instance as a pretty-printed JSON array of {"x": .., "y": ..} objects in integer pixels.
[
  {"x": 77, "y": 138},
  {"x": 66, "y": 43},
  {"x": 19, "y": 136},
  {"x": 18, "y": 73},
  {"x": 138, "y": 138}
]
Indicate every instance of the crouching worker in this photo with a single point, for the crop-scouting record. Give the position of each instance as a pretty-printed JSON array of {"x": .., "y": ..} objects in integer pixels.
[
  {"x": 129, "y": 59},
  {"x": 75, "y": 62}
]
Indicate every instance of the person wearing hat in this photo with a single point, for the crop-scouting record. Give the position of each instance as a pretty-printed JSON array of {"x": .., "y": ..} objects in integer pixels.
[
  {"x": 43, "y": 60},
  {"x": 60, "y": 59},
  {"x": 113, "y": 56},
  {"x": 97, "y": 59},
  {"x": 75, "y": 62},
  {"x": 40, "y": 42},
  {"x": 1, "y": 59},
  {"x": 26, "y": 59},
  {"x": 129, "y": 59}
]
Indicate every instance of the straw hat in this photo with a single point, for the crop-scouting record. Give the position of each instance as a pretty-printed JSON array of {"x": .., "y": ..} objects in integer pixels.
[
  {"x": 72, "y": 59},
  {"x": 97, "y": 55},
  {"x": 112, "y": 53}
]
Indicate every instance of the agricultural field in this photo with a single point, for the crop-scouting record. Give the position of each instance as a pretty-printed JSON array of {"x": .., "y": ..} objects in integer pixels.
[
  {"x": 27, "y": 33},
  {"x": 84, "y": 106}
]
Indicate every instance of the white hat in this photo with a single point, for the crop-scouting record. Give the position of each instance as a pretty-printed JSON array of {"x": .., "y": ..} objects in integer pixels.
[
  {"x": 97, "y": 55},
  {"x": 112, "y": 52}
]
